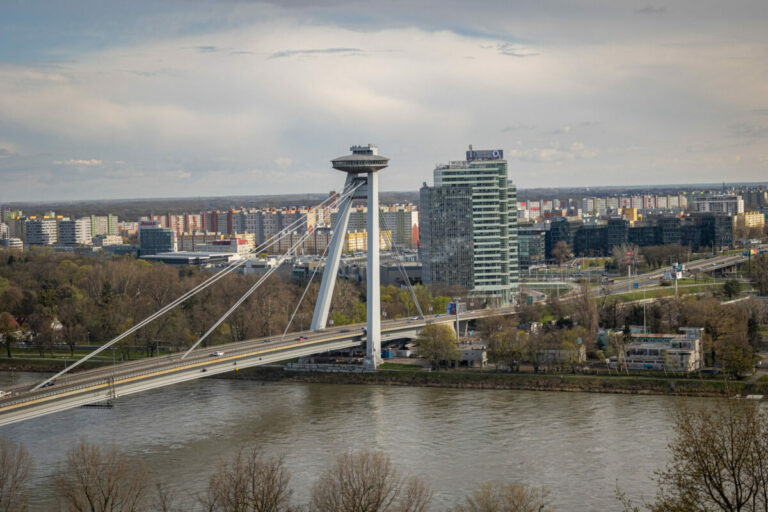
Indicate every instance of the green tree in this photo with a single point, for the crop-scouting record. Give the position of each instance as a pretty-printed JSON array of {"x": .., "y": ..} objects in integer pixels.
[
  {"x": 507, "y": 347},
  {"x": 437, "y": 343},
  {"x": 731, "y": 288}
]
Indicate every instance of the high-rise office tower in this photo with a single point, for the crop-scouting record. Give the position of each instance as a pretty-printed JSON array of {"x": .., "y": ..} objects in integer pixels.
[{"x": 468, "y": 227}]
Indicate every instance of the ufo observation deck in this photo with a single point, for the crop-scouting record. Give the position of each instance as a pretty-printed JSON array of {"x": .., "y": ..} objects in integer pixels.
[{"x": 364, "y": 159}]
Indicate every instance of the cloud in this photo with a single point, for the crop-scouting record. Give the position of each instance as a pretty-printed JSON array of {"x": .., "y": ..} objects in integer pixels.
[
  {"x": 206, "y": 48},
  {"x": 283, "y": 161},
  {"x": 517, "y": 127},
  {"x": 748, "y": 131},
  {"x": 514, "y": 50},
  {"x": 317, "y": 51},
  {"x": 87, "y": 163},
  {"x": 555, "y": 154},
  {"x": 651, "y": 9}
]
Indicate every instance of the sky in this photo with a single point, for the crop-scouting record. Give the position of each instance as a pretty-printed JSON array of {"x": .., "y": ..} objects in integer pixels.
[{"x": 101, "y": 99}]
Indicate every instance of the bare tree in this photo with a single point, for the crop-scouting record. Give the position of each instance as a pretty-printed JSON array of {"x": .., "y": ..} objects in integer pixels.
[
  {"x": 585, "y": 312},
  {"x": 15, "y": 464},
  {"x": 250, "y": 483},
  {"x": 8, "y": 328},
  {"x": 718, "y": 462},
  {"x": 367, "y": 482},
  {"x": 101, "y": 480},
  {"x": 506, "y": 497}
]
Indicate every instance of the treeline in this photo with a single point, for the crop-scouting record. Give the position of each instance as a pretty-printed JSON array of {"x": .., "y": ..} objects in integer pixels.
[
  {"x": 55, "y": 299},
  {"x": 95, "y": 479}
]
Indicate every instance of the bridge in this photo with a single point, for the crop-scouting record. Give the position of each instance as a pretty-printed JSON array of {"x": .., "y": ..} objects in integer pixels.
[
  {"x": 111, "y": 382},
  {"x": 67, "y": 390}
]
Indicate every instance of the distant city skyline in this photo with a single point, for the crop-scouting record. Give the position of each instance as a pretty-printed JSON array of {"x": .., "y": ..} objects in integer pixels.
[{"x": 107, "y": 100}]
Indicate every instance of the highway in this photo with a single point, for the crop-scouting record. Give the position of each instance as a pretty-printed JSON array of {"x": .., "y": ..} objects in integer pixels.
[{"x": 111, "y": 382}]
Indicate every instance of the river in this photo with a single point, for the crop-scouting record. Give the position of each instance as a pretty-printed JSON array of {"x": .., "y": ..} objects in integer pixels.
[{"x": 580, "y": 445}]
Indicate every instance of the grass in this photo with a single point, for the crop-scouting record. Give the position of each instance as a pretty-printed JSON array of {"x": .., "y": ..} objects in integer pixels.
[{"x": 399, "y": 366}]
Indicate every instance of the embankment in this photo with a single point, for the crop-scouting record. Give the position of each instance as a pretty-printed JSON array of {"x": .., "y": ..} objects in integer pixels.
[{"x": 493, "y": 380}]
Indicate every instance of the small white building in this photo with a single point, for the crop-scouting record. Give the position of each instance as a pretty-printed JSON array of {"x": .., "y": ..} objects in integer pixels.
[{"x": 673, "y": 352}]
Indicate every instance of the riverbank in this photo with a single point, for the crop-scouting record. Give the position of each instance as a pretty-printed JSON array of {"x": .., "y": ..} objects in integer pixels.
[
  {"x": 620, "y": 384},
  {"x": 493, "y": 380}
]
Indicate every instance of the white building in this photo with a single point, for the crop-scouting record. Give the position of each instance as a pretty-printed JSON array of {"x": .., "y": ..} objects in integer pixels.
[
  {"x": 41, "y": 232},
  {"x": 12, "y": 243},
  {"x": 671, "y": 352},
  {"x": 730, "y": 204},
  {"x": 75, "y": 232}
]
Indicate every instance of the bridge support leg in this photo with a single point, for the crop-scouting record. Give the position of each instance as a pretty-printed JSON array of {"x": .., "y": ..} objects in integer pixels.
[
  {"x": 331, "y": 270},
  {"x": 373, "y": 300}
]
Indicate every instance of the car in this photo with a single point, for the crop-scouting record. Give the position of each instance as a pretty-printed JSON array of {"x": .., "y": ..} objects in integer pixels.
[
  {"x": 204, "y": 370},
  {"x": 301, "y": 338},
  {"x": 48, "y": 384},
  {"x": 218, "y": 353},
  {"x": 437, "y": 316},
  {"x": 414, "y": 318},
  {"x": 267, "y": 341}
]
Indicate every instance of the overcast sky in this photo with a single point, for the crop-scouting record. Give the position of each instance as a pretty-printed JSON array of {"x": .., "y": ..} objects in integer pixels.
[{"x": 105, "y": 99}]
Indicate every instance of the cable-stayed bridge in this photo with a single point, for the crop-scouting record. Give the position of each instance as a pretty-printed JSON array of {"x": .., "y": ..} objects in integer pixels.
[{"x": 67, "y": 390}]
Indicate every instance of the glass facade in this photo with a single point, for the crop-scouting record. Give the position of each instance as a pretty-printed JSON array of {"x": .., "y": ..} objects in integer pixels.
[{"x": 469, "y": 229}]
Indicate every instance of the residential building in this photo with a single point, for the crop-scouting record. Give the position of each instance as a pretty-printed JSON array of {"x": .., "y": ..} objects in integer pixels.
[
  {"x": 468, "y": 227},
  {"x": 104, "y": 225}
]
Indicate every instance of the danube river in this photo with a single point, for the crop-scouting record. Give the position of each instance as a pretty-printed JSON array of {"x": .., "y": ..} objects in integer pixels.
[{"x": 580, "y": 445}]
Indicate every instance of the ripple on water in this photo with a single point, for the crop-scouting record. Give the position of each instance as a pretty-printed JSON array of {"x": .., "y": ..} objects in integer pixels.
[{"x": 578, "y": 444}]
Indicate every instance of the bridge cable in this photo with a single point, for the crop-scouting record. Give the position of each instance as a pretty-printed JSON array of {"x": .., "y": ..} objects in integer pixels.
[
  {"x": 306, "y": 289},
  {"x": 401, "y": 267},
  {"x": 253, "y": 288},
  {"x": 187, "y": 295}
]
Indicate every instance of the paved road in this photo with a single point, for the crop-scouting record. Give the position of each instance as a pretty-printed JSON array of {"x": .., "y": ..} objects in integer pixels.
[{"x": 100, "y": 384}]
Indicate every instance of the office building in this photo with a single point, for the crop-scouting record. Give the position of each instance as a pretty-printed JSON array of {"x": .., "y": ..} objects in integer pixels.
[
  {"x": 75, "y": 231},
  {"x": 728, "y": 204},
  {"x": 41, "y": 231},
  {"x": 154, "y": 239},
  {"x": 468, "y": 227}
]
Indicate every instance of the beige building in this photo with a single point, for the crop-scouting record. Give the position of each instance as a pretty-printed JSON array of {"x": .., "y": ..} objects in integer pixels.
[{"x": 672, "y": 352}]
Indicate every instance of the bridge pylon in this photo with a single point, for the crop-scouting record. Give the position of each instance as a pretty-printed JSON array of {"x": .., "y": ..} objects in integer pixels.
[{"x": 362, "y": 168}]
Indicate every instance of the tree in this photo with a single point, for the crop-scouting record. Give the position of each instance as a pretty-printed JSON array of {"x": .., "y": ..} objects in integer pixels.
[
  {"x": 8, "y": 328},
  {"x": 538, "y": 343},
  {"x": 506, "y": 497},
  {"x": 561, "y": 252},
  {"x": 718, "y": 462},
  {"x": 585, "y": 312},
  {"x": 250, "y": 483},
  {"x": 759, "y": 273},
  {"x": 15, "y": 464},
  {"x": 101, "y": 480},
  {"x": 437, "y": 343},
  {"x": 731, "y": 288},
  {"x": 508, "y": 347},
  {"x": 367, "y": 482}
]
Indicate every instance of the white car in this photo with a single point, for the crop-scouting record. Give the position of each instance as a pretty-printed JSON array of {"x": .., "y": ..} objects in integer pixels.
[{"x": 218, "y": 353}]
